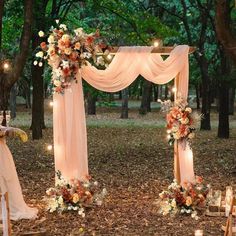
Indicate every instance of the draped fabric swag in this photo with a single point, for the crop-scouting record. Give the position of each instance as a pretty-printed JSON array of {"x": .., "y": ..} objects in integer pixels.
[{"x": 70, "y": 137}]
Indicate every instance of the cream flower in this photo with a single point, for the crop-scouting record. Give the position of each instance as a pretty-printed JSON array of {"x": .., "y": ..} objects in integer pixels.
[
  {"x": 41, "y": 33},
  {"x": 39, "y": 54},
  {"x": 40, "y": 64},
  {"x": 51, "y": 39},
  {"x": 65, "y": 37},
  {"x": 188, "y": 109},
  {"x": 63, "y": 26},
  {"x": 79, "y": 31},
  {"x": 35, "y": 63},
  {"x": 57, "y": 83}
]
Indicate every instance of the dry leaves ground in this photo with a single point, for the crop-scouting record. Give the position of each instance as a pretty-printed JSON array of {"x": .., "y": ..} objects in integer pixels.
[{"x": 135, "y": 164}]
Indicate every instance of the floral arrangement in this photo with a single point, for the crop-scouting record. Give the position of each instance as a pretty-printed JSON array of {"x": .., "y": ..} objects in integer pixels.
[
  {"x": 184, "y": 199},
  {"x": 66, "y": 52},
  {"x": 181, "y": 120},
  {"x": 74, "y": 195},
  {"x": 13, "y": 132}
]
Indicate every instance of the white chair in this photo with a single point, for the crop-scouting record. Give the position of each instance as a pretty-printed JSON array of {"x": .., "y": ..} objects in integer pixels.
[{"x": 6, "y": 222}]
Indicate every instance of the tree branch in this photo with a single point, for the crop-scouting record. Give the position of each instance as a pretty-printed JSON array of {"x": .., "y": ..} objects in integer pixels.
[{"x": 24, "y": 42}]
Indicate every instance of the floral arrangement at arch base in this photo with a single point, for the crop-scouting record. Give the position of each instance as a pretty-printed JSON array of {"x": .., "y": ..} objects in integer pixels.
[
  {"x": 181, "y": 120},
  {"x": 67, "y": 51},
  {"x": 74, "y": 195},
  {"x": 184, "y": 199}
]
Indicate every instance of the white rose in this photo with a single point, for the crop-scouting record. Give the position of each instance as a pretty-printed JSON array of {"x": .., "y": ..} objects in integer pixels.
[
  {"x": 60, "y": 200},
  {"x": 51, "y": 39},
  {"x": 188, "y": 109},
  {"x": 65, "y": 37},
  {"x": 41, "y": 33},
  {"x": 39, "y": 54},
  {"x": 35, "y": 63},
  {"x": 40, "y": 64},
  {"x": 57, "y": 83},
  {"x": 79, "y": 31},
  {"x": 100, "y": 61},
  {"x": 63, "y": 26}
]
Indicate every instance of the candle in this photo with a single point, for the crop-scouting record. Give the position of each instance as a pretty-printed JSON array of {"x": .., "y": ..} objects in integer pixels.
[
  {"x": 228, "y": 199},
  {"x": 198, "y": 232}
]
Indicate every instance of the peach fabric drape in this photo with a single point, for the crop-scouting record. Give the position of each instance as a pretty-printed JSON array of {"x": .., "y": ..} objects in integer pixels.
[
  {"x": 70, "y": 136},
  {"x": 9, "y": 182}
]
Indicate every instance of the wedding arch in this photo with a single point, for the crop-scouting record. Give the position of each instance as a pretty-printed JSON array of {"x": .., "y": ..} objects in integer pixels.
[{"x": 69, "y": 124}]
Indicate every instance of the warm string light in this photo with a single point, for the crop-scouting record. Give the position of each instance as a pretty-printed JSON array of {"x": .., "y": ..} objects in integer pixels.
[
  {"x": 49, "y": 147},
  {"x": 6, "y": 65},
  {"x": 51, "y": 103},
  {"x": 174, "y": 89},
  {"x": 156, "y": 44}
]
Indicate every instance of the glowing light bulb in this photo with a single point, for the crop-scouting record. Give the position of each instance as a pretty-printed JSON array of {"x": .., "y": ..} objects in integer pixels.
[
  {"x": 168, "y": 136},
  {"x": 168, "y": 131},
  {"x": 51, "y": 104},
  {"x": 6, "y": 66},
  {"x": 174, "y": 89},
  {"x": 156, "y": 44},
  {"x": 49, "y": 147}
]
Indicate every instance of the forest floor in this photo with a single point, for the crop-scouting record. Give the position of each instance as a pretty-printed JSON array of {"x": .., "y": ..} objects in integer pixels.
[{"x": 134, "y": 162}]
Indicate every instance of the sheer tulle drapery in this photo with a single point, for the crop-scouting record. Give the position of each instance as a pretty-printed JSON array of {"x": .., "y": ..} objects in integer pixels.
[
  {"x": 70, "y": 137},
  {"x": 9, "y": 182}
]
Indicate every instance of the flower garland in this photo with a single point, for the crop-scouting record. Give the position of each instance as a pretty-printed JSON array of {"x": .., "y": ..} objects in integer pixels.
[
  {"x": 181, "y": 120},
  {"x": 184, "y": 199},
  {"x": 74, "y": 195},
  {"x": 66, "y": 52}
]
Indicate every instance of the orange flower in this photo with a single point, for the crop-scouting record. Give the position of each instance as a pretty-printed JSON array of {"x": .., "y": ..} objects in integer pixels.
[
  {"x": 77, "y": 46},
  {"x": 90, "y": 39},
  {"x": 43, "y": 45}
]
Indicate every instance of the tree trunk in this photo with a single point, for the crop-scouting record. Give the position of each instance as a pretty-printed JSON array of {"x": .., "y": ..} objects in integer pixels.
[
  {"x": 223, "y": 28},
  {"x": 223, "y": 128},
  {"x": 205, "y": 122},
  {"x": 156, "y": 92},
  {"x": 146, "y": 98},
  {"x": 197, "y": 96},
  {"x": 13, "y": 94},
  {"x": 92, "y": 104},
  {"x": 166, "y": 91},
  {"x": 4, "y": 97},
  {"x": 231, "y": 100},
  {"x": 124, "y": 108},
  {"x": 37, "y": 74},
  {"x": 38, "y": 102}
]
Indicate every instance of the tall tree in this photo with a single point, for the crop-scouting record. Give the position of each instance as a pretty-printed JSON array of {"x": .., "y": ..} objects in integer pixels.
[
  {"x": 9, "y": 77},
  {"x": 37, "y": 72},
  {"x": 224, "y": 29}
]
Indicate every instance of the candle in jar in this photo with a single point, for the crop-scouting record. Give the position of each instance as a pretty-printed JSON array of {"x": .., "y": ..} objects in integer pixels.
[
  {"x": 198, "y": 232},
  {"x": 228, "y": 199}
]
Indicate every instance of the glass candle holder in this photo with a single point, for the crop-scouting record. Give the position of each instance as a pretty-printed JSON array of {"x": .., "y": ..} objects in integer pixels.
[
  {"x": 228, "y": 200},
  {"x": 198, "y": 232}
]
